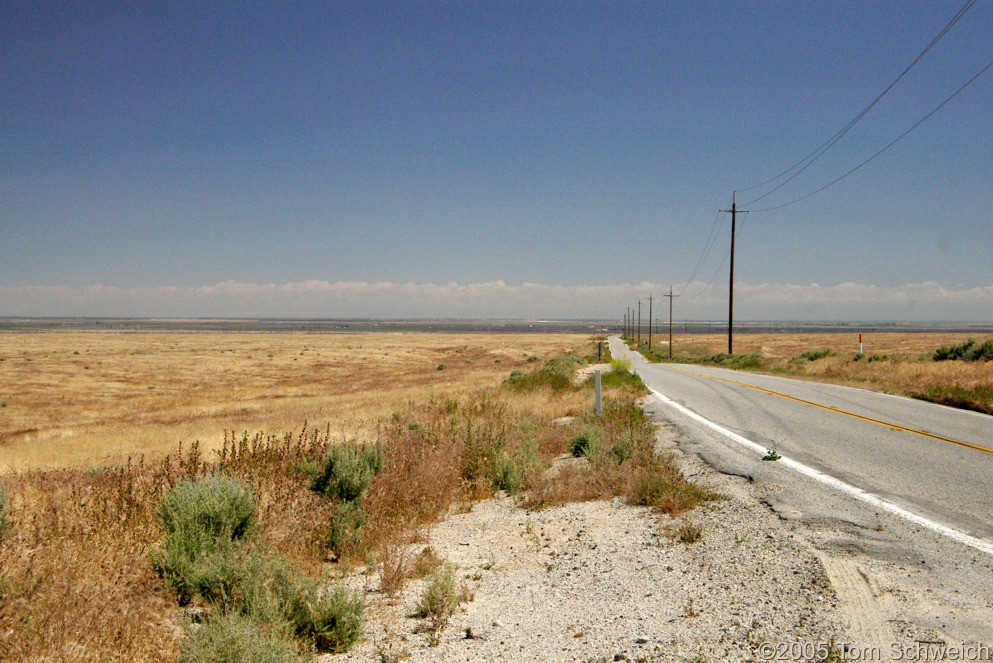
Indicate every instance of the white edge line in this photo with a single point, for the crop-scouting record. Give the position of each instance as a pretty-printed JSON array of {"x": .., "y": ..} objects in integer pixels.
[{"x": 867, "y": 497}]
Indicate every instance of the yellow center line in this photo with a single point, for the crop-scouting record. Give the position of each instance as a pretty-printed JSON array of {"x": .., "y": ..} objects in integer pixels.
[{"x": 879, "y": 422}]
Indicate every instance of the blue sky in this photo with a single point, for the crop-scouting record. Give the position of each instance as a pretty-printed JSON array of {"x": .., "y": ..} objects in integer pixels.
[{"x": 491, "y": 159}]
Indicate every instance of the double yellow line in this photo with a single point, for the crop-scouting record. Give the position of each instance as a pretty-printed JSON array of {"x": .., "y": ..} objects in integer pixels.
[{"x": 879, "y": 422}]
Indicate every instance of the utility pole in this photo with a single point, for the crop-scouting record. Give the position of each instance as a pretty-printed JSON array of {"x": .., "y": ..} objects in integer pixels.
[
  {"x": 624, "y": 327},
  {"x": 649, "y": 323},
  {"x": 734, "y": 211},
  {"x": 671, "y": 297},
  {"x": 639, "y": 325}
]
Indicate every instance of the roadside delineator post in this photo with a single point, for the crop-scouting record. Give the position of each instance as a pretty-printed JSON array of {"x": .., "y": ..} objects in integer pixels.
[{"x": 599, "y": 404}]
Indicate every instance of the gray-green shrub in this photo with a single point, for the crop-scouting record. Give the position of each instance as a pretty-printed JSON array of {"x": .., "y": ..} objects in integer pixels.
[
  {"x": 205, "y": 519},
  {"x": 330, "y": 619},
  {"x": 441, "y": 596},
  {"x": 587, "y": 442},
  {"x": 209, "y": 509},
  {"x": 557, "y": 374},
  {"x": 235, "y": 638},
  {"x": 347, "y": 472},
  {"x": 346, "y": 527},
  {"x": 968, "y": 351}
]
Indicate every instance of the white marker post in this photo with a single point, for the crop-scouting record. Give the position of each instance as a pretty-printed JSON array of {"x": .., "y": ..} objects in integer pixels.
[
  {"x": 860, "y": 343},
  {"x": 599, "y": 405}
]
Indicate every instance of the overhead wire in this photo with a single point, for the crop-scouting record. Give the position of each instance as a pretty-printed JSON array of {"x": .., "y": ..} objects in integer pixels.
[
  {"x": 808, "y": 160},
  {"x": 888, "y": 146},
  {"x": 706, "y": 286},
  {"x": 708, "y": 247}
]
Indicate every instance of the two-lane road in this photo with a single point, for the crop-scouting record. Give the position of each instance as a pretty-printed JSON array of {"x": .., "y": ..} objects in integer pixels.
[{"x": 930, "y": 460}]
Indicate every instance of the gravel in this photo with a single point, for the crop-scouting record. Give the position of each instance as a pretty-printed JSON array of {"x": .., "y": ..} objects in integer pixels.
[{"x": 603, "y": 581}]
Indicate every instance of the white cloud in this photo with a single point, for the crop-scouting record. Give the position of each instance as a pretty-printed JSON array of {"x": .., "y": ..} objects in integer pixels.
[{"x": 497, "y": 299}]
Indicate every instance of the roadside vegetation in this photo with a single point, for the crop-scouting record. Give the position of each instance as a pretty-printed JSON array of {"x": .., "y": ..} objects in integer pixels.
[
  {"x": 958, "y": 374},
  {"x": 241, "y": 553}
]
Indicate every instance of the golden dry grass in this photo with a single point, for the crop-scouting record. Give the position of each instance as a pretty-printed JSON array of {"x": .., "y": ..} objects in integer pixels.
[
  {"x": 902, "y": 345},
  {"x": 893, "y": 362},
  {"x": 93, "y": 398}
]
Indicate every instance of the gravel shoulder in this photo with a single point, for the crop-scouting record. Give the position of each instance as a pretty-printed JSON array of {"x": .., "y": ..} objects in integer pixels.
[{"x": 606, "y": 581}]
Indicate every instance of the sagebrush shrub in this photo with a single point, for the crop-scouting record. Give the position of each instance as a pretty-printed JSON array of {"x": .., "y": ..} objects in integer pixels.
[
  {"x": 587, "y": 442},
  {"x": 347, "y": 472},
  {"x": 235, "y": 638},
  {"x": 211, "y": 508},
  {"x": 968, "y": 351},
  {"x": 346, "y": 528},
  {"x": 557, "y": 374},
  {"x": 205, "y": 520},
  {"x": 331, "y": 620}
]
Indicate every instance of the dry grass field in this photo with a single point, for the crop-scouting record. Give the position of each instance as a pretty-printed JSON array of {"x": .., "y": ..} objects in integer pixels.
[
  {"x": 892, "y": 362},
  {"x": 786, "y": 346},
  {"x": 91, "y": 398}
]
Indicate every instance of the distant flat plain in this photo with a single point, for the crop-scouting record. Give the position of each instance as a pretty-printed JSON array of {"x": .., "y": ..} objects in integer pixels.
[
  {"x": 80, "y": 398},
  {"x": 91, "y": 397}
]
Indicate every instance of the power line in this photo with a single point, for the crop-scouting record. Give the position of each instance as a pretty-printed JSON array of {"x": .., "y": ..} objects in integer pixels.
[
  {"x": 808, "y": 160},
  {"x": 888, "y": 146},
  {"x": 711, "y": 240},
  {"x": 804, "y": 163},
  {"x": 713, "y": 276}
]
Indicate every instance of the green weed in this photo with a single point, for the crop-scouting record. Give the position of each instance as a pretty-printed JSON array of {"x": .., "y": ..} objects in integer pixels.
[
  {"x": 557, "y": 375},
  {"x": 814, "y": 355},
  {"x": 587, "y": 442},
  {"x": 441, "y": 597}
]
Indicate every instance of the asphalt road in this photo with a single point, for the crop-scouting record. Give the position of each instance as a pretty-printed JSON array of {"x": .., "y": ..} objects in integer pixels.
[{"x": 863, "y": 438}]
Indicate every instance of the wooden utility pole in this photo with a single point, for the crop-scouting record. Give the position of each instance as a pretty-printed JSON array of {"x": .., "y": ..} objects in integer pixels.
[
  {"x": 734, "y": 212},
  {"x": 639, "y": 325},
  {"x": 671, "y": 297},
  {"x": 649, "y": 322}
]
